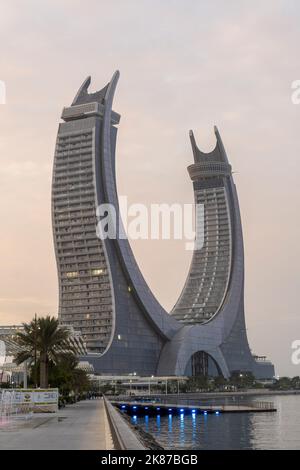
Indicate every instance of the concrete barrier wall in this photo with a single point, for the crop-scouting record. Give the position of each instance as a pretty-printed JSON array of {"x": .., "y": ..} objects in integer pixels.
[{"x": 123, "y": 436}]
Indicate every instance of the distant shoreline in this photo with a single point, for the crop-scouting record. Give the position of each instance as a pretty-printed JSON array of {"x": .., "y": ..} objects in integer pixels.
[{"x": 249, "y": 392}]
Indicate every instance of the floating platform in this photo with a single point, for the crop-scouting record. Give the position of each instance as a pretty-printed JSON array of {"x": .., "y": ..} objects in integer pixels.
[{"x": 148, "y": 408}]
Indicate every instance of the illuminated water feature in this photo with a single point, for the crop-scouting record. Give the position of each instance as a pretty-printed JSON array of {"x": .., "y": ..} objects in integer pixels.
[{"x": 192, "y": 430}]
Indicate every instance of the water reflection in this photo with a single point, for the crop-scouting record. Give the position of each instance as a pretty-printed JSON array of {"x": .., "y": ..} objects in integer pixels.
[
  {"x": 170, "y": 423},
  {"x": 194, "y": 427},
  {"x": 146, "y": 423},
  {"x": 158, "y": 424},
  {"x": 134, "y": 419},
  {"x": 182, "y": 433},
  {"x": 198, "y": 431},
  {"x": 228, "y": 431},
  {"x": 170, "y": 429}
]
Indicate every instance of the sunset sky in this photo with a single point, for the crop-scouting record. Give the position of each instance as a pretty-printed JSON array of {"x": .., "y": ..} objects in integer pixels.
[{"x": 184, "y": 65}]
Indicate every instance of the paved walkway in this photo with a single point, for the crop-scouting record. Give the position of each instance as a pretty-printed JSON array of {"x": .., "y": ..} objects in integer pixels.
[{"x": 82, "y": 426}]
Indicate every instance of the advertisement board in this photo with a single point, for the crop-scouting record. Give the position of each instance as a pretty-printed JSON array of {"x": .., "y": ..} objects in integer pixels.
[{"x": 36, "y": 400}]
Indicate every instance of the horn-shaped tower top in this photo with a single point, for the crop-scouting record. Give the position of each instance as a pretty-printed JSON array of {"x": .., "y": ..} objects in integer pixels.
[
  {"x": 83, "y": 96},
  {"x": 217, "y": 154},
  {"x": 88, "y": 104},
  {"x": 210, "y": 164}
]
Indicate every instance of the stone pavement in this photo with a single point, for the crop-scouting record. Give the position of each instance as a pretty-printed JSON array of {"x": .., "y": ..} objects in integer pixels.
[{"x": 82, "y": 426}]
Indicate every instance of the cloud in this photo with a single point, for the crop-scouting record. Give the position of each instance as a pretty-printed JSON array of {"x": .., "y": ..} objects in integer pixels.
[
  {"x": 26, "y": 169},
  {"x": 22, "y": 300}
]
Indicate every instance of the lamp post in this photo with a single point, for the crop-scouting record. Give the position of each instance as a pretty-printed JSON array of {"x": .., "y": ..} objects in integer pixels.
[
  {"x": 35, "y": 351},
  {"x": 25, "y": 375},
  {"x": 150, "y": 378}
]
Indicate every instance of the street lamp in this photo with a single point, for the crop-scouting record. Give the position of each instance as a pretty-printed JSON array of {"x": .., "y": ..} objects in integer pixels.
[{"x": 150, "y": 383}]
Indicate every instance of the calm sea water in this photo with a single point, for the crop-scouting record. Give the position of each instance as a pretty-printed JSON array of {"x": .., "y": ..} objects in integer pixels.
[{"x": 280, "y": 430}]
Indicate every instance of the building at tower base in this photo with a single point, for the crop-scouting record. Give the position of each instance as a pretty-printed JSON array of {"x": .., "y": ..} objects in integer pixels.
[{"x": 102, "y": 292}]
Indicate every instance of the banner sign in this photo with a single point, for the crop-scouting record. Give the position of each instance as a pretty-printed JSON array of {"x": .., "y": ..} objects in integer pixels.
[{"x": 36, "y": 400}]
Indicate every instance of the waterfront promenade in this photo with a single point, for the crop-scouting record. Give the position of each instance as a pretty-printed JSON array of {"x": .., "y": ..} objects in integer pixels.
[{"x": 82, "y": 426}]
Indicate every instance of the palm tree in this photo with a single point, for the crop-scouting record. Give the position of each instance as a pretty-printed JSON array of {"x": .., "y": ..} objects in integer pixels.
[
  {"x": 44, "y": 339},
  {"x": 27, "y": 340},
  {"x": 67, "y": 376}
]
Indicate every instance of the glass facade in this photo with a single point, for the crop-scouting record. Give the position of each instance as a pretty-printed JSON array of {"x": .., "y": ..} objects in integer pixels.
[
  {"x": 103, "y": 294},
  {"x": 208, "y": 278},
  {"x": 85, "y": 300}
]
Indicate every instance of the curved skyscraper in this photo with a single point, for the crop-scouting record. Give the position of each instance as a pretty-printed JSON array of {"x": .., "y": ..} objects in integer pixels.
[
  {"x": 85, "y": 292},
  {"x": 102, "y": 292},
  {"x": 208, "y": 280}
]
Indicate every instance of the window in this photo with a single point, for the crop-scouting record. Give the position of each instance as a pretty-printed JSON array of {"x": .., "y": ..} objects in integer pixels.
[
  {"x": 72, "y": 274},
  {"x": 96, "y": 272}
]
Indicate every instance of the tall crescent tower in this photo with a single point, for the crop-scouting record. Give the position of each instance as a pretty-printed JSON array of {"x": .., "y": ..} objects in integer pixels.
[
  {"x": 208, "y": 279},
  {"x": 85, "y": 291},
  {"x": 211, "y": 304},
  {"x": 102, "y": 292}
]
